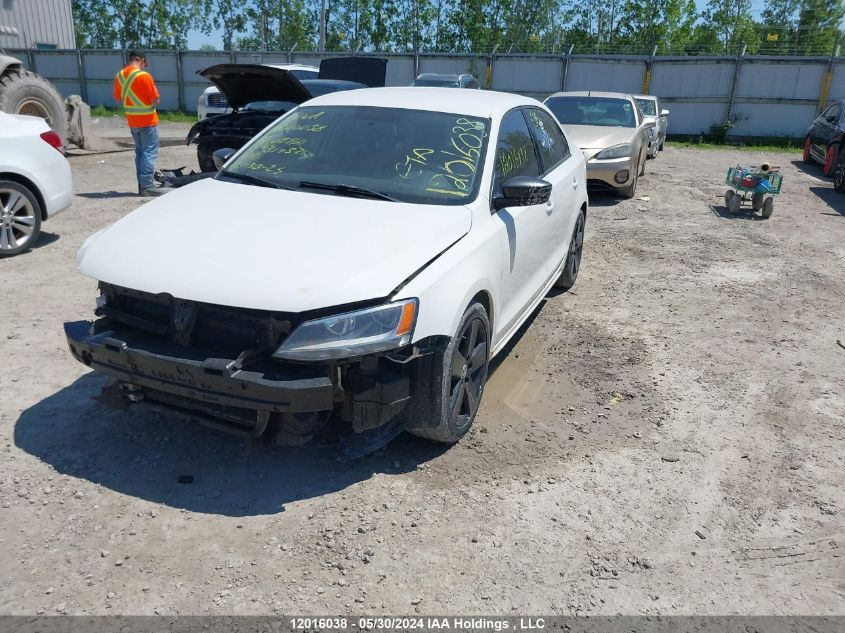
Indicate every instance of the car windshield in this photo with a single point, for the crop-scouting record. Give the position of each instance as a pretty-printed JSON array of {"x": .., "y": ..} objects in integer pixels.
[
  {"x": 603, "y": 111},
  {"x": 648, "y": 106},
  {"x": 408, "y": 155},
  {"x": 437, "y": 83}
]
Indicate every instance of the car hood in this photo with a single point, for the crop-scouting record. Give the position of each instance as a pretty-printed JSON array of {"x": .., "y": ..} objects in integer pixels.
[
  {"x": 597, "y": 137},
  {"x": 245, "y": 83},
  {"x": 269, "y": 249}
]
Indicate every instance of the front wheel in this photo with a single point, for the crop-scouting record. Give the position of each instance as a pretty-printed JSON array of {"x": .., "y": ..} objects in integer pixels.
[
  {"x": 573, "y": 258},
  {"x": 463, "y": 376},
  {"x": 630, "y": 191},
  {"x": 839, "y": 178},
  {"x": 20, "y": 218}
]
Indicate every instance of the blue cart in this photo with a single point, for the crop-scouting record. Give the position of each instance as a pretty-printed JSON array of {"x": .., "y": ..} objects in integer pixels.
[{"x": 756, "y": 186}]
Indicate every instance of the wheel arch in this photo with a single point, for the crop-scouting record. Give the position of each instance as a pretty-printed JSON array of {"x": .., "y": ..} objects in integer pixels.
[
  {"x": 485, "y": 299},
  {"x": 26, "y": 182}
]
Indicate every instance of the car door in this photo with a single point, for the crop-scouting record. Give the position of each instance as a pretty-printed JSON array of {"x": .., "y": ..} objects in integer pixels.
[
  {"x": 524, "y": 231},
  {"x": 561, "y": 169}
]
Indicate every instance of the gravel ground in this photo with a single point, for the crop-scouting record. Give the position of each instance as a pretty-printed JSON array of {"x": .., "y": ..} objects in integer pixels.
[{"x": 666, "y": 438}]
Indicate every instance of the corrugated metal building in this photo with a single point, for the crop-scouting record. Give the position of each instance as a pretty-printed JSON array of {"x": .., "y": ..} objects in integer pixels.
[{"x": 40, "y": 24}]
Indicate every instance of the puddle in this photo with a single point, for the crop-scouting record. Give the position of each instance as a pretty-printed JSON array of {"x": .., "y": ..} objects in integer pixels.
[{"x": 520, "y": 383}]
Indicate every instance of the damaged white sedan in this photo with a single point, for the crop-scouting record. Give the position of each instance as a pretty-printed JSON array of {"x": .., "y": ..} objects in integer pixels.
[{"x": 366, "y": 255}]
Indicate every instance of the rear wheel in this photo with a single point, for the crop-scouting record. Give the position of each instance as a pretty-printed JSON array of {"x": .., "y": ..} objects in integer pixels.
[
  {"x": 20, "y": 218},
  {"x": 768, "y": 207},
  {"x": 463, "y": 376},
  {"x": 830, "y": 160},
  {"x": 757, "y": 201},
  {"x": 573, "y": 258},
  {"x": 807, "y": 157},
  {"x": 729, "y": 194}
]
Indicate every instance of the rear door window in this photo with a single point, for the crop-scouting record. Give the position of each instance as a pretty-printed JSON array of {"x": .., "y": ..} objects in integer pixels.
[{"x": 551, "y": 145}]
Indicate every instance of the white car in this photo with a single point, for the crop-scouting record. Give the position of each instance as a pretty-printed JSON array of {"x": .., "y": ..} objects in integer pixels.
[
  {"x": 35, "y": 180},
  {"x": 650, "y": 105},
  {"x": 367, "y": 254},
  {"x": 211, "y": 102}
]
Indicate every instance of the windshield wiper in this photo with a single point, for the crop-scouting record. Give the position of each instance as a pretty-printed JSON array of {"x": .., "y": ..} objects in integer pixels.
[
  {"x": 348, "y": 190},
  {"x": 253, "y": 180}
]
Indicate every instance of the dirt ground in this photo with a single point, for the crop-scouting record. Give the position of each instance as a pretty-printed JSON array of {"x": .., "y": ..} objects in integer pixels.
[{"x": 666, "y": 438}]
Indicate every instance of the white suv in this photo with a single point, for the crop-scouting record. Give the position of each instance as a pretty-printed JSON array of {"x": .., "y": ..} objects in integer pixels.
[
  {"x": 35, "y": 180},
  {"x": 212, "y": 102}
]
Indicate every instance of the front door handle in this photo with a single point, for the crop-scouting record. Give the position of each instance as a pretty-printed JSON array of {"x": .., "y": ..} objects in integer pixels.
[{"x": 550, "y": 206}]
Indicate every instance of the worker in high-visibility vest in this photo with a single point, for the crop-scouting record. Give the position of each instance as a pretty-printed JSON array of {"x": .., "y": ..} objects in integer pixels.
[{"x": 136, "y": 92}]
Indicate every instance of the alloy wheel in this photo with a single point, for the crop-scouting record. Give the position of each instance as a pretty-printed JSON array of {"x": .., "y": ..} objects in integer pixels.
[
  {"x": 574, "y": 260},
  {"x": 468, "y": 373},
  {"x": 17, "y": 219}
]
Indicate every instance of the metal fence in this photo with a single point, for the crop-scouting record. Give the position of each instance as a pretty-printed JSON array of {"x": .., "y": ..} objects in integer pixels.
[{"x": 764, "y": 96}]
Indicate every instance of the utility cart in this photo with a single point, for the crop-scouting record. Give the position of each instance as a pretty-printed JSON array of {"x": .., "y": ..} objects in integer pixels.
[{"x": 756, "y": 185}]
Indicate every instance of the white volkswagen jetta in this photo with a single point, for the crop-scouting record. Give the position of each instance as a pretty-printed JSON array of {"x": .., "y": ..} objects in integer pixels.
[
  {"x": 35, "y": 180},
  {"x": 367, "y": 254}
]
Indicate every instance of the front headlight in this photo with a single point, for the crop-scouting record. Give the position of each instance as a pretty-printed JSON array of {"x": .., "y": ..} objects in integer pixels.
[
  {"x": 352, "y": 334},
  {"x": 617, "y": 151}
]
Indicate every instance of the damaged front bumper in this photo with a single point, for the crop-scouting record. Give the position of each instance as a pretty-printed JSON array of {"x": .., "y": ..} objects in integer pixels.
[{"x": 239, "y": 395}]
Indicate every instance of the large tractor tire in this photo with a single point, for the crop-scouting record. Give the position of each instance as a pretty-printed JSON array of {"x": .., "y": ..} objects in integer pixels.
[{"x": 24, "y": 92}]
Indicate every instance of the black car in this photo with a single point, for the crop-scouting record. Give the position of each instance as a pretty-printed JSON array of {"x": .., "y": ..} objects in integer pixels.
[
  {"x": 260, "y": 94},
  {"x": 446, "y": 81},
  {"x": 821, "y": 145}
]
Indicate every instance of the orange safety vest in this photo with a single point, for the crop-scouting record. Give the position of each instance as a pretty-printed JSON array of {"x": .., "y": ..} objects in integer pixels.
[{"x": 137, "y": 98}]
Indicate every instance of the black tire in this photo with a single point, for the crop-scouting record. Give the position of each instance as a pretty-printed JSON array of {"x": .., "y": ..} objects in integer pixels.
[
  {"x": 768, "y": 207},
  {"x": 23, "y": 92},
  {"x": 642, "y": 164},
  {"x": 454, "y": 412},
  {"x": 735, "y": 205},
  {"x": 757, "y": 200},
  {"x": 662, "y": 143},
  {"x": 630, "y": 191},
  {"x": 573, "y": 258},
  {"x": 8, "y": 223},
  {"x": 205, "y": 158},
  {"x": 729, "y": 194},
  {"x": 839, "y": 177}
]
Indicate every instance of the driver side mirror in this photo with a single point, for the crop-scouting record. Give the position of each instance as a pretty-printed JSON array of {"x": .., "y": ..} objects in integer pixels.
[
  {"x": 664, "y": 113},
  {"x": 221, "y": 155},
  {"x": 523, "y": 191}
]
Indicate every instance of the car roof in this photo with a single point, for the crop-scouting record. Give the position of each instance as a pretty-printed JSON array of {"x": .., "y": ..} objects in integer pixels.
[
  {"x": 592, "y": 93},
  {"x": 649, "y": 97},
  {"x": 294, "y": 67},
  {"x": 444, "y": 76},
  {"x": 485, "y": 104},
  {"x": 331, "y": 82}
]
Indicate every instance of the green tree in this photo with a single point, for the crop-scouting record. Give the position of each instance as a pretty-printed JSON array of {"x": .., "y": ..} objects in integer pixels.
[
  {"x": 818, "y": 26},
  {"x": 779, "y": 26},
  {"x": 666, "y": 24},
  {"x": 229, "y": 16},
  {"x": 93, "y": 24},
  {"x": 169, "y": 21},
  {"x": 727, "y": 27}
]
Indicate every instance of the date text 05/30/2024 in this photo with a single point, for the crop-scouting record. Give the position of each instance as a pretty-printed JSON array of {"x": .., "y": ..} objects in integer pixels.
[{"x": 454, "y": 623}]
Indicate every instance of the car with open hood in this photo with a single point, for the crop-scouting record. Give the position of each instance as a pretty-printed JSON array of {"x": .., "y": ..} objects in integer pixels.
[
  {"x": 258, "y": 94},
  {"x": 212, "y": 102},
  {"x": 654, "y": 113},
  {"x": 611, "y": 130},
  {"x": 365, "y": 256}
]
